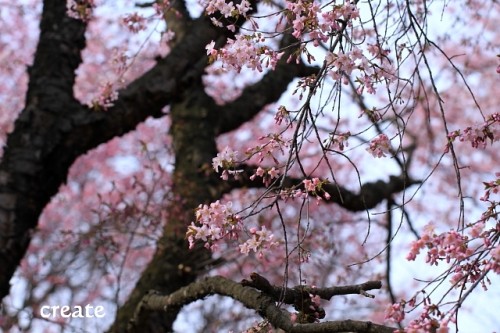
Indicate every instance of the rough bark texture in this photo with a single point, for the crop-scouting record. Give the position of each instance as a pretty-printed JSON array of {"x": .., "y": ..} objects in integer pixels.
[
  {"x": 173, "y": 264},
  {"x": 54, "y": 128},
  {"x": 32, "y": 168}
]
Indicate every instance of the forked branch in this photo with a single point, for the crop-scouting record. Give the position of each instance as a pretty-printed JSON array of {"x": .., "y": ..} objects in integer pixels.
[{"x": 260, "y": 295}]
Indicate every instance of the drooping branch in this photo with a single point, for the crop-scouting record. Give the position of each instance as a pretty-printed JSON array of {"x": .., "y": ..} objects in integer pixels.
[
  {"x": 264, "y": 304},
  {"x": 268, "y": 90},
  {"x": 370, "y": 194}
]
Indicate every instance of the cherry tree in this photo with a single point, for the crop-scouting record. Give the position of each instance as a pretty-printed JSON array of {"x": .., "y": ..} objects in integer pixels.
[{"x": 275, "y": 153}]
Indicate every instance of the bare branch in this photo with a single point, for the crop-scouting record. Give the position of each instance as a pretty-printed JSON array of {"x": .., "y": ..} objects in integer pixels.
[
  {"x": 290, "y": 295},
  {"x": 252, "y": 299}
]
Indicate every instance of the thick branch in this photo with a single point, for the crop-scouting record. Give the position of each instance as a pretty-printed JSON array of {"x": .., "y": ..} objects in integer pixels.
[
  {"x": 369, "y": 196},
  {"x": 342, "y": 326},
  {"x": 291, "y": 295},
  {"x": 54, "y": 129},
  {"x": 371, "y": 193},
  {"x": 177, "y": 18},
  {"x": 58, "y": 52},
  {"x": 28, "y": 177},
  {"x": 174, "y": 265},
  {"x": 252, "y": 299},
  {"x": 168, "y": 82}
]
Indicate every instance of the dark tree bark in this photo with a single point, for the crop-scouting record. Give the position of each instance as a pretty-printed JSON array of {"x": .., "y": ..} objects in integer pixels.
[
  {"x": 54, "y": 129},
  {"x": 33, "y": 166}
]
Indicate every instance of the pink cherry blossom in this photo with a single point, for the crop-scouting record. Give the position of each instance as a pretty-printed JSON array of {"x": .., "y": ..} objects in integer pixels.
[
  {"x": 134, "y": 22},
  {"x": 380, "y": 146},
  {"x": 226, "y": 159}
]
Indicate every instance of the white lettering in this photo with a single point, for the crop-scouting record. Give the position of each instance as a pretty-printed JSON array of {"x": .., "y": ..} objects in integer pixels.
[
  {"x": 54, "y": 310},
  {"x": 99, "y": 311},
  {"x": 77, "y": 311},
  {"x": 42, "y": 311},
  {"x": 88, "y": 307},
  {"x": 65, "y": 311}
]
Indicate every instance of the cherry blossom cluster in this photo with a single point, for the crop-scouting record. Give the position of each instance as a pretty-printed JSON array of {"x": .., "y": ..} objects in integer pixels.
[
  {"x": 440, "y": 247},
  {"x": 276, "y": 144},
  {"x": 492, "y": 190},
  {"x": 341, "y": 65},
  {"x": 379, "y": 146},
  {"x": 281, "y": 114},
  {"x": 244, "y": 51},
  {"x": 120, "y": 62},
  {"x": 479, "y": 135},
  {"x": 217, "y": 221},
  {"x": 491, "y": 187},
  {"x": 312, "y": 187},
  {"x": 345, "y": 62},
  {"x": 266, "y": 174},
  {"x": 306, "y": 17},
  {"x": 489, "y": 238},
  {"x": 214, "y": 222},
  {"x": 430, "y": 320},
  {"x": 470, "y": 261},
  {"x": 395, "y": 312},
  {"x": 377, "y": 52},
  {"x": 80, "y": 9},
  {"x": 134, "y": 22},
  {"x": 107, "y": 95},
  {"x": 226, "y": 160},
  {"x": 427, "y": 321},
  {"x": 227, "y": 9},
  {"x": 340, "y": 141},
  {"x": 288, "y": 193},
  {"x": 260, "y": 240},
  {"x": 161, "y": 6}
]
